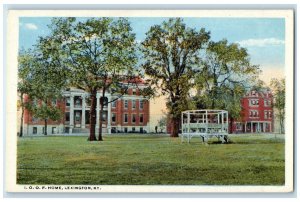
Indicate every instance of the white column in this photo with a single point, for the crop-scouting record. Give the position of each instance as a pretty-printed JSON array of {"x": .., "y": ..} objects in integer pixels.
[
  {"x": 222, "y": 117},
  {"x": 83, "y": 111},
  {"x": 71, "y": 113},
  {"x": 206, "y": 130},
  {"x": 109, "y": 115},
  {"x": 227, "y": 120},
  {"x": 97, "y": 112}
]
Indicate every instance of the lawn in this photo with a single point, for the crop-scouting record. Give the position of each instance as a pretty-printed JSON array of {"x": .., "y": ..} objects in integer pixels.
[{"x": 150, "y": 160}]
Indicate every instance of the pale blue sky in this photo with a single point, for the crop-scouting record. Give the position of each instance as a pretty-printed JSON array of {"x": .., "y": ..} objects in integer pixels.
[{"x": 264, "y": 38}]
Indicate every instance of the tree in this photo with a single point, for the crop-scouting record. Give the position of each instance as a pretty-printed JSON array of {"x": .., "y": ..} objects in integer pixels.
[
  {"x": 41, "y": 78},
  {"x": 278, "y": 86},
  {"x": 171, "y": 54},
  {"x": 225, "y": 76},
  {"x": 100, "y": 53},
  {"x": 25, "y": 62}
]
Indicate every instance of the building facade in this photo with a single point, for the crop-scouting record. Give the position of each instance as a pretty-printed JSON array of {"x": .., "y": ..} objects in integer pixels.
[
  {"x": 257, "y": 113},
  {"x": 126, "y": 114}
]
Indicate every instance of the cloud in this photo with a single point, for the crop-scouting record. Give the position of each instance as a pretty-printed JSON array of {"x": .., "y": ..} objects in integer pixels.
[
  {"x": 31, "y": 26},
  {"x": 261, "y": 42}
]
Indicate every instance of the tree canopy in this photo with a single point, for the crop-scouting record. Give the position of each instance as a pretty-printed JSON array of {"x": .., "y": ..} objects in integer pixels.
[
  {"x": 278, "y": 86},
  {"x": 100, "y": 54},
  {"x": 171, "y": 54},
  {"x": 225, "y": 75}
]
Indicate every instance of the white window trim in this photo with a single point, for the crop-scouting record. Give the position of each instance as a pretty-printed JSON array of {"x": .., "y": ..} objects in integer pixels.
[{"x": 253, "y": 105}]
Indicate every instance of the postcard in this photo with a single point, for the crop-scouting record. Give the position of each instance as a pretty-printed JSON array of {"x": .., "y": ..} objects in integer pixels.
[{"x": 155, "y": 101}]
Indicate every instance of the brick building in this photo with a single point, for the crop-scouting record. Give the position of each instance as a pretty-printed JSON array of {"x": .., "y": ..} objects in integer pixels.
[
  {"x": 256, "y": 114},
  {"x": 129, "y": 113}
]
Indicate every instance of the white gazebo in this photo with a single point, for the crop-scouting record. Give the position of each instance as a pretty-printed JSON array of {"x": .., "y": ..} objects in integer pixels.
[{"x": 204, "y": 124}]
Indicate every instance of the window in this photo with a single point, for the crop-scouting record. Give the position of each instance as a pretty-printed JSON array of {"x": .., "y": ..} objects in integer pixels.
[
  {"x": 133, "y": 104},
  {"x": 77, "y": 116},
  {"x": 113, "y": 117},
  {"x": 113, "y": 130},
  {"x": 254, "y": 113},
  {"x": 133, "y": 118},
  {"x": 133, "y": 91},
  {"x": 125, "y": 118},
  {"x": 267, "y": 114},
  {"x": 114, "y": 104},
  {"x": 141, "y": 118},
  {"x": 125, "y": 104},
  {"x": 68, "y": 101},
  {"x": 77, "y": 103},
  {"x": 34, "y": 130},
  {"x": 141, "y": 104},
  {"x": 67, "y": 116},
  {"x": 253, "y": 102},
  {"x": 133, "y": 129},
  {"x": 53, "y": 130},
  {"x": 67, "y": 129},
  {"x": 125, "y": 130},
  {"x": 141, "y": 130},
  {"x": 267, "y": 103}
]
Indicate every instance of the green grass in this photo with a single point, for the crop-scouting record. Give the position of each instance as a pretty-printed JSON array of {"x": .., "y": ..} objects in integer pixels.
[{"x": 150, "y": 160}]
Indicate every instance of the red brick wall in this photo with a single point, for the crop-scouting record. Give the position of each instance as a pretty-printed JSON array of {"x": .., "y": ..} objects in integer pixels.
[
  {"x": 120, "y": 111},
  {"x": 28, "y": 116}
]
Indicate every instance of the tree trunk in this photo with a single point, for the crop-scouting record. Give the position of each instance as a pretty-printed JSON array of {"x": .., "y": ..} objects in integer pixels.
[
  {"x": 100, "y": 121},
  {"x": 231, "y": 125},
  {"x": 21, "y": 127},
  {"x": 281, "y": 125},
  {"x": 22, "y": 117},
  {"x": 45, "y": 131},
  {"x": 92, "y": 136},
  {"x": 175, "y": 126}
]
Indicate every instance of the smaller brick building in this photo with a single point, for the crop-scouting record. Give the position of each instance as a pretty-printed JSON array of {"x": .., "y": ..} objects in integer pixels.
[{"x": 256, "y": 114}]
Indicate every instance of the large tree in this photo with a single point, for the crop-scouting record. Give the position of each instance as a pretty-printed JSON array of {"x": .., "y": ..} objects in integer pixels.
[
  {"x": 171, "y": 54},
  {"x": 100, "y": 53},
  {"x": 226, "y": 74},
  {"x": 278, "y": 87}
]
